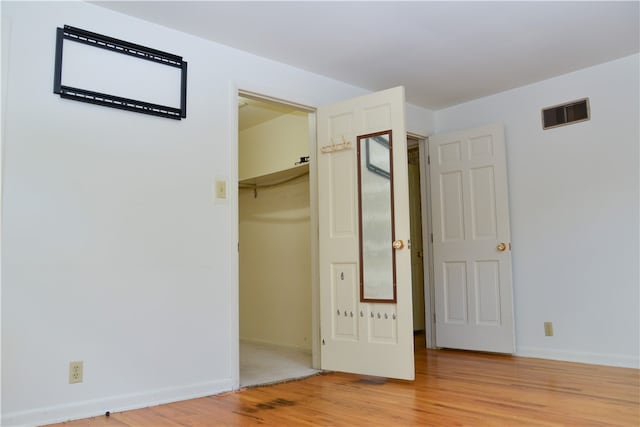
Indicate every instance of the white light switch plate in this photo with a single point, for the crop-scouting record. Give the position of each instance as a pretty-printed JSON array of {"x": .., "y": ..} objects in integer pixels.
[{"x": 221, "y": 189}]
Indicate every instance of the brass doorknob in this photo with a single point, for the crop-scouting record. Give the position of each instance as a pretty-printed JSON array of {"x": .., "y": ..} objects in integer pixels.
[
  {"x": 501, "y": 247},
  {"x": 398, "y": 244}
]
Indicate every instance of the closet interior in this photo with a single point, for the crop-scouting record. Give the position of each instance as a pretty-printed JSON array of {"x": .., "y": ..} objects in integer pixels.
[{"x": 274, "y": 242}]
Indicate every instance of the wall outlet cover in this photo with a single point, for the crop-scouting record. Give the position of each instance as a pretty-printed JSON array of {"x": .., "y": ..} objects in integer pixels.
[{"x": 75, "y": 372}]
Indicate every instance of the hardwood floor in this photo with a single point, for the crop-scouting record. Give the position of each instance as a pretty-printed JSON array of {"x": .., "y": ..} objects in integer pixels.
[{"x": 452, "y": 388}]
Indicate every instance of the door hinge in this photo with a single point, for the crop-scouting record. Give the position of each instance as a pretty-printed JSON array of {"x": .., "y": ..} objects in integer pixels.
[
  {"x": 428, "y": 160},
  {"x": 434, "y": 318},
  {"x": 431, "y": 237}
]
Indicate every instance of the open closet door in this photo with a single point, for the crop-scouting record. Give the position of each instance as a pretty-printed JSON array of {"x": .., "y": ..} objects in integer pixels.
[
  {"x": 471, "y": 243},
  {"x": 365, "y": 265}
]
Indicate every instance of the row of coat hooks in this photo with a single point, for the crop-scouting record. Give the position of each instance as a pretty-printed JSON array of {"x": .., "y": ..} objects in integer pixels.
[
  {"x": 344, "y": 145},
  {"x": 379, "y": 315}
]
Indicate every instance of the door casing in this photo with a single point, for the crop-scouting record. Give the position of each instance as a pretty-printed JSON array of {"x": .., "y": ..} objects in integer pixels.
[
  {"x": 244, "y": 89},
  {"x": 427, "y": 245}
]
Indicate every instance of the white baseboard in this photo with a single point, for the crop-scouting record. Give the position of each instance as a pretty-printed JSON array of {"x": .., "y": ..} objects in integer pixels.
[
  {"x": 623, "y": 361},
  {"x": 97, "y": 407}
]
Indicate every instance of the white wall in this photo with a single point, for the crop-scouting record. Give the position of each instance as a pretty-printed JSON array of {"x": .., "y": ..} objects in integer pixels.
[
  {"x": 114, "y": 251},
  {"x": 574, "y": 212},
  {"x": 420, "y": 121}
]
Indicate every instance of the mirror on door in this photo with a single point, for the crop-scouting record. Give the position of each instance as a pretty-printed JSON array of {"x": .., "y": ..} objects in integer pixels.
[{"x": 375, "y": 186}]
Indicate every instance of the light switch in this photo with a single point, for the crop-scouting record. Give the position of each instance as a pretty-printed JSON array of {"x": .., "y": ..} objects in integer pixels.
[{"x": 221, "y": 190}]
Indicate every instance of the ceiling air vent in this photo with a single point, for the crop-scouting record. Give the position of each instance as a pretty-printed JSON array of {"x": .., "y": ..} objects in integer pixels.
[{"x": 564, "y": 114}]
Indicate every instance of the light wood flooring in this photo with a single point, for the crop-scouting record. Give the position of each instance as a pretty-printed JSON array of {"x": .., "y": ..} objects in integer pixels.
[{"x": 452, "y": 388}]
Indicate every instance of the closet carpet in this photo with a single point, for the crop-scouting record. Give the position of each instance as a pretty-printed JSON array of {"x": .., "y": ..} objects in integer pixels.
[{"x": 266, "y": 363}]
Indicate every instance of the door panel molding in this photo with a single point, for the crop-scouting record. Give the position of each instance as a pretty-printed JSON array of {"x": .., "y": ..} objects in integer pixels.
[
  {"x": 472, "y": 270},
  {"x": 383, "y": 345}
]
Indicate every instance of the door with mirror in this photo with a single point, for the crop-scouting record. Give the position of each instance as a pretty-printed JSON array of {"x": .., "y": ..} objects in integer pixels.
[{"x": 364, "y": 261}]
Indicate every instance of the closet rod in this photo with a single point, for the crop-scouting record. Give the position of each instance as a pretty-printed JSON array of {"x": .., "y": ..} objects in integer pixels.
[{"x": 271, "y": 184}]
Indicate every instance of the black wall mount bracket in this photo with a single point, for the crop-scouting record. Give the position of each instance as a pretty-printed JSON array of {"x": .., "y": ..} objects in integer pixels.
[{"x": 126, "y": 48}]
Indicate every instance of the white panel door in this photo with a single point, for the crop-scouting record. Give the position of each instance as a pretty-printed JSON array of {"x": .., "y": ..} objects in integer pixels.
[
  {"x": 471, "y": 241},
  {"x": 368, "y": 338}
]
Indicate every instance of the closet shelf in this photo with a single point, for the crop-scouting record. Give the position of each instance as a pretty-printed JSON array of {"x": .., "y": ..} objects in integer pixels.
[{"x": 279, "y": 176}]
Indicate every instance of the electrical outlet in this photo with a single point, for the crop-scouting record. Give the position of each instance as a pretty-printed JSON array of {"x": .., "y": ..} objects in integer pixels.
[
  {"x": 75, "y": 372},
  {"x": 548, "y": 329}
]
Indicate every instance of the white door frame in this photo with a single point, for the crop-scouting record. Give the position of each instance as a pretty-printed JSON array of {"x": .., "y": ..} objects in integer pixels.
[
  {"x": 429, "y": 291},
  {"x": 427, "y": 229},
  {"x": 247, "y": 89},
  {"x": 427, "y": 244}
]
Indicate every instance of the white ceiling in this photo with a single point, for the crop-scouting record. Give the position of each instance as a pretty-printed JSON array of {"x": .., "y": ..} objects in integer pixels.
[{"x": 444, "y": 53}]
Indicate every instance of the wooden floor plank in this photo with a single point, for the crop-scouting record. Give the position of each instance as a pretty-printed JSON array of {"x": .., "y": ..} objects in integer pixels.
[{"x": 452, "y": 388}]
